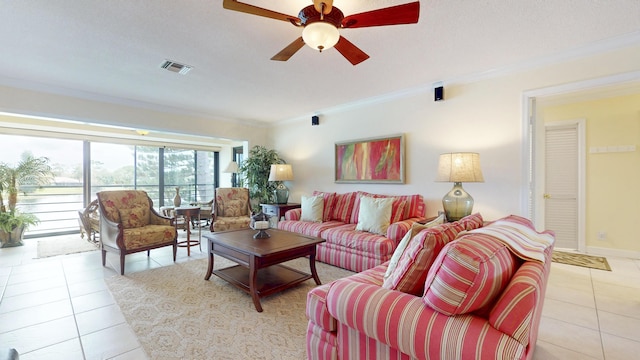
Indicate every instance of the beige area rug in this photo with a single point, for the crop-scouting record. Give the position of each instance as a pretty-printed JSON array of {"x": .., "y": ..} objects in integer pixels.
[
  {"x": 176, "y": 314},
  {"x": 64, "y": 245},
  {"x": 589, "y": 261}
]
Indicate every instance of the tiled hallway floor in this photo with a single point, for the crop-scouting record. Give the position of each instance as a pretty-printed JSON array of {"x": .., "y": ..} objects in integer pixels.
[{"x": 60, "y": 307}]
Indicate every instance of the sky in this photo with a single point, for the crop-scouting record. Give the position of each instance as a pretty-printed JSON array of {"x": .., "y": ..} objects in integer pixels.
[{"x": 64, "y": 152}]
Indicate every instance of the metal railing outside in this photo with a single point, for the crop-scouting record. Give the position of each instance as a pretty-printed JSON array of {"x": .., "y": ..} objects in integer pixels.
[{"x": 57, "y": 206}]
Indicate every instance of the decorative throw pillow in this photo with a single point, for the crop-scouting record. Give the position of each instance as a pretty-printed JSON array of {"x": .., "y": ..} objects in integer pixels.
[
  {"x": 374, "y": 215},
  {"x": 468, "y": 274},
  {"x": 329, "y": 199},
  {"x": 413, "y": 266},
  {"x": 397, "y": 210},
  {"x": 472, "y": 222},
  {"x": 312, "y": 208},
  {"x": 415, "y": 229},
  {"x": 137, "y": 216},
  {"x": 343, "y": 205}
]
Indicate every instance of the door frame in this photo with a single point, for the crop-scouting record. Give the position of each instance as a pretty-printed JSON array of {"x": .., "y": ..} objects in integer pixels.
[{"x": 533, "y": 140}]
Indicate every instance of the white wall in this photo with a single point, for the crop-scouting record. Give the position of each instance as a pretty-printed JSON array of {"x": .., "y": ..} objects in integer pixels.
[{"x": 483, "y": 116}]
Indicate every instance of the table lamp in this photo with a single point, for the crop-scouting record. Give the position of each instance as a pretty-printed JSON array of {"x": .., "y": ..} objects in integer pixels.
[
  {"x": 232, "y": 169},
  {"x": 280, "y": 173},
  {"x": 458, "y": 168}
]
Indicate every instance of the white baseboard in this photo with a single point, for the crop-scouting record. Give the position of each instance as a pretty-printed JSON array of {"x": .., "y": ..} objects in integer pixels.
[{"x": 594, "y": 250}]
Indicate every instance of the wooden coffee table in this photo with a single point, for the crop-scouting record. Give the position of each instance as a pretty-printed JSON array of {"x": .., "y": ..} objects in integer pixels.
[{"x": 260, "y": 271}]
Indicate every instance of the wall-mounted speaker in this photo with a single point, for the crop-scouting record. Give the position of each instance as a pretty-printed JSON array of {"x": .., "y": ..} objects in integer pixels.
[
  {"x": 315, "y": 120},
  {"x": 438, "y": 93}
]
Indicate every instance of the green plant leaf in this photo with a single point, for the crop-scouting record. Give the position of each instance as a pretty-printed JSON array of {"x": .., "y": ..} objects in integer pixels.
[{"x": 255, "y": 171}]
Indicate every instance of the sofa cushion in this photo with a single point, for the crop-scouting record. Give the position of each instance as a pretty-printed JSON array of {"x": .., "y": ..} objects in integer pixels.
[
  {"x": 312, "y": 208},
  {"x": 307, "y": 227},
  {"x": 136, "y": 238},
  {"x": 233, "y": 208},
  {"x": 398, "y": 209},
  {"x": 468, "y": 274},
  {"x": 343, "y": 206},
  {"x": 329, "y": 199},
  {"x": 472, "y": 222},
  {"x": 415, "y": 207},
  {"x": 134, "y": 217},
  {"x": 348, "y": 238},
  {"x": 411, "y": 271},
  {"x": 415, "y": 229},
  {"x": 374, "y": 215}
]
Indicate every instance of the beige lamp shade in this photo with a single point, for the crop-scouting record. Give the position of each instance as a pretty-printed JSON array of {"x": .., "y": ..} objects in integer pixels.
[
  {"x": 281, "y": 172},
  {"x": 232, "y": 168},
  {"x": 459, "y": 167}
]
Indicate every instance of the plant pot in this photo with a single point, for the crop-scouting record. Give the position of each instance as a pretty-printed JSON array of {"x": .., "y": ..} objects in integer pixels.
[{"x": 13, "y": 238}]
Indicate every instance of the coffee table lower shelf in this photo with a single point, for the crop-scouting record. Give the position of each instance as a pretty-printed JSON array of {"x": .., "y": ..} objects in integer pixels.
[
  {"x": 260, "y": 269},
  {"x": 269, "y": 280}
]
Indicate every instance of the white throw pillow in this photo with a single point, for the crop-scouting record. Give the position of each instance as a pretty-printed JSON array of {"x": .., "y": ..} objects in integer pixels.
[
  {"x": 397, "y": 254},
  {"x": 312, "y": 207},
  {"x": 374, "y": 215}
]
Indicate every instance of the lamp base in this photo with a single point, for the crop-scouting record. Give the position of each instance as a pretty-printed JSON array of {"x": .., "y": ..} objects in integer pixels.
[
  {"x": 457, "y": 203},
  {"x": 262, "y": 234},
  {"x": 281, "y": 194}
]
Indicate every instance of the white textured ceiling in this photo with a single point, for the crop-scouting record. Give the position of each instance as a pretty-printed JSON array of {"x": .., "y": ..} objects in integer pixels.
[{"x": 112, "y": 49}]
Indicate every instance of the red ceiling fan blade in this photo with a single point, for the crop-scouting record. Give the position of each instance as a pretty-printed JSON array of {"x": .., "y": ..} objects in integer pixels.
[
  {"x": 350, "y": 51},
  {"x": 288, "y": 52},
  {"x": 394, "y": 15},
  {"x": 254, "y": 10}
]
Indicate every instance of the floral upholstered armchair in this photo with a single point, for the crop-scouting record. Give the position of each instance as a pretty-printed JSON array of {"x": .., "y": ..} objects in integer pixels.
[
  {"x": 129, "y": 224},
  {"x": 231, "y": 209}
]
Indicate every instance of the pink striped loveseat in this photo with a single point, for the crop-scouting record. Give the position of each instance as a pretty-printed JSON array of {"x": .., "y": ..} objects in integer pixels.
[
  {"x": 347, "y": 247},
  {"x": 480, "y": 296}
]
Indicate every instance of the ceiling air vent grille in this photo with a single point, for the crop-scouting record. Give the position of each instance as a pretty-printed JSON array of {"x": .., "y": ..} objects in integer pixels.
[{"x": 175, "y": 67}]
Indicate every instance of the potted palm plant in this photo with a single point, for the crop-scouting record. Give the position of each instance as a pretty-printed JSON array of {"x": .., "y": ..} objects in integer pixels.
[
  {"x": 255, "y": 172},
  {"x": 29, "y": 171}
]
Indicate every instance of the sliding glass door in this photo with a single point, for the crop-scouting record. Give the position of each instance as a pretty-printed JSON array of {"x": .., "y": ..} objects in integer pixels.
[{"x": 156, "y": 170}]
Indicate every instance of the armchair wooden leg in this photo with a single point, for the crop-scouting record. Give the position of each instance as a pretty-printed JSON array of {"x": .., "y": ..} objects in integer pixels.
[
  {"x": 104, "y": 257},
  {"x": 175, "y": 251},
  {"x": 121, "y": 263}
]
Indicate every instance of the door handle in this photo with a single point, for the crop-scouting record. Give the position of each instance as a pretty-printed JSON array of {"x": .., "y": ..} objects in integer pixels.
[{"x": 546, "y": 196}]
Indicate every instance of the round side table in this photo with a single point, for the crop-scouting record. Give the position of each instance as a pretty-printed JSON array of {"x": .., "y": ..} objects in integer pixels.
[{"x": 189, "y": 212}]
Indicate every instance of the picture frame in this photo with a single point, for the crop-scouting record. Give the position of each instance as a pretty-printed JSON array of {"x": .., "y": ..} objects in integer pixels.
[{"x": 371, "y": 160}]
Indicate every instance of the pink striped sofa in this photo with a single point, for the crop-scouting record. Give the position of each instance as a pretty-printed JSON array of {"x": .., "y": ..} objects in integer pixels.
[
  {"x": 347, "y": 247},
  {"x": 478, "y": 298}
]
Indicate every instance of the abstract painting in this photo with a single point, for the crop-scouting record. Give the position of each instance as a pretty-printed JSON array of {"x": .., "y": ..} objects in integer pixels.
[{"x": 374, "y": 160}]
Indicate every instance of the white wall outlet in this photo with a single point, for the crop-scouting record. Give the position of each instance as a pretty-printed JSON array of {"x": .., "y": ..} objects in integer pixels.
[{"x": 602, "y": 235}]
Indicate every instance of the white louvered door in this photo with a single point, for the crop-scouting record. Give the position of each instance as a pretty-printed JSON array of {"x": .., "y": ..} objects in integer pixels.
[{"x": 563, "y": 154}]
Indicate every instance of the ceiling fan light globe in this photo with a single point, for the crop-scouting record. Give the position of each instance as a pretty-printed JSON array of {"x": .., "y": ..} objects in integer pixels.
[{"x": 320, "y": 35}]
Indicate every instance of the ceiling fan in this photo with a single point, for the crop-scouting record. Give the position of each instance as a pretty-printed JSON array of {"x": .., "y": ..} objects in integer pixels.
[{"x": 322, "y": 20}]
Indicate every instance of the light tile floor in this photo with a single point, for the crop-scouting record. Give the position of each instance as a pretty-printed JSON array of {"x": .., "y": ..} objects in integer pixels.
[{"x": 60, "y": 307}]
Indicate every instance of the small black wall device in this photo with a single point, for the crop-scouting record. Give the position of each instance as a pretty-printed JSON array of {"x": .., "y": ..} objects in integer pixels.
[
  {"x": 315, "y": 120},
  {"x": 438, "y": 93}
]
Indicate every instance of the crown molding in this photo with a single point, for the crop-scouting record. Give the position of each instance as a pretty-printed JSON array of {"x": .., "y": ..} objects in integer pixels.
[{"x": 599, "y": 47}]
